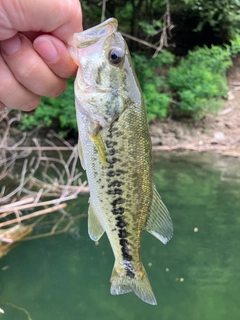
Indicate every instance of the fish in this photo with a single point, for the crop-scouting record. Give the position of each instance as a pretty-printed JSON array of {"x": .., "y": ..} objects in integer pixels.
[{"x": 115, "y": 150}]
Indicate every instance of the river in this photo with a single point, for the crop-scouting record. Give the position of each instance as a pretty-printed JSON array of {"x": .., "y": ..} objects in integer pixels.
[{"x": 194, "y": 277}]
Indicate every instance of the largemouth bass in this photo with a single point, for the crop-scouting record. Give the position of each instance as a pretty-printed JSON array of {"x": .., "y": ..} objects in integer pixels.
[{"x": 116, "y": 152}]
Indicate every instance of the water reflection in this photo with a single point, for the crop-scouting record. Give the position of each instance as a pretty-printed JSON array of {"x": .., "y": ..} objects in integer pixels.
[{"x": 195, "y": 276}]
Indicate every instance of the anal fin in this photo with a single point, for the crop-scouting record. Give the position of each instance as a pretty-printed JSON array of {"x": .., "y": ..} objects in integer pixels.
[
  {"x": 159, "y": 222},
  {"x": 95, "y": 229}
]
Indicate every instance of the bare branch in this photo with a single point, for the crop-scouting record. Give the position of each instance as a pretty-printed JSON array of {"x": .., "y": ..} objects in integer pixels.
[
  {"x": 33, "y": 215},
  {"x": 148, "y": 44},
  {"x": 165, "y": 32},
  {"x": 103, "y": 17},
  {"x": 47, "y": 178}
]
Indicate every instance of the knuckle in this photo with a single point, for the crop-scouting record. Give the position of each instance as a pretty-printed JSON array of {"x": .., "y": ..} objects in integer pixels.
[
  {"x": 7, "y": 85},
  {"x": 24, "y": 74}
]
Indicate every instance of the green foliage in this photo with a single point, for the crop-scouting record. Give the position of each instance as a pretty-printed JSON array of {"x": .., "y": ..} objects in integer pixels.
[
  {"x": 220, "y": 15},
  {"x": 154, "y": 87},
  {"x": 196, "y": 22},
  {"x": 235, "y": 45},
  {"x": 200, "y": 82},
  {"x": 152, "y": 28},
  {"x": 91, "y": 13},
  {"x": 53, "y": 112}
]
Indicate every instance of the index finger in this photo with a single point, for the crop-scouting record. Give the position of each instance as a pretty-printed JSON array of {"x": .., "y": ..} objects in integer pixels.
[{"x": 61, "y": 18}]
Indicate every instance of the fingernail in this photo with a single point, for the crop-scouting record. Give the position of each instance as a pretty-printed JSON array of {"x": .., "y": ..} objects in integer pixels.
[
  {"x": 46, "y": 49},
  {"x": 12, "y": 45}
]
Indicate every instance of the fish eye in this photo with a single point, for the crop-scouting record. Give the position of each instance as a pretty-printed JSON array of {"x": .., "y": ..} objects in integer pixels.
[{"x": 115, "y": 56}]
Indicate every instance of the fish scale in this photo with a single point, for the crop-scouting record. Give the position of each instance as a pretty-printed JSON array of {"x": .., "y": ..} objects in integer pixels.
[{"x": 116, "y": 152}]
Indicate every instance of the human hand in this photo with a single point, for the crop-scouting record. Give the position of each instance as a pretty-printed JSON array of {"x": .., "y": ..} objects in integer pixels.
[{"x": 34, "y": 60}]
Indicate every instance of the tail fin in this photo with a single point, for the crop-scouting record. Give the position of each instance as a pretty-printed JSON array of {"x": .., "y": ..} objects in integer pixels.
[{"x": 140, "y": 286}]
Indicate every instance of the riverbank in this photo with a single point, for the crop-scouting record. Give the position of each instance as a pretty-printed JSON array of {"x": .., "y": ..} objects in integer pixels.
[{"x": 214, "y": 132}]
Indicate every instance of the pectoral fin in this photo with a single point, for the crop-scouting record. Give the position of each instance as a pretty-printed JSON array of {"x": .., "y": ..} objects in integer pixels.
[
  {"x": 95, "y": 229},
  {"x": 101, "y": 149},
  {"x": 159, "y": 222},
  {"x": 80, "y": 152}
]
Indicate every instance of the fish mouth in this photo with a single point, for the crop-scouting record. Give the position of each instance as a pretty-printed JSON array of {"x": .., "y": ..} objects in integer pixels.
[{"x": 90, "y": 36}]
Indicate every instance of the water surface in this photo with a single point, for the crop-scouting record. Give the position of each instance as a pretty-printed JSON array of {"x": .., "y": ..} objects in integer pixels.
[{"x": 195, "y": 276}]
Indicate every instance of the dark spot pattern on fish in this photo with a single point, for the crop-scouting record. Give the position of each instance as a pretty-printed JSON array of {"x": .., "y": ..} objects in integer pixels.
[
  {"x": 115, "y": 183},
  {"x": 111, "y": 173},
  {"x": 110, "y": 134},
  {"x": 114, "y": 173},
  {"x": 113, "y": 129},
  {"x": 117, "y": 211},
  {"x": 119, "y": 134},
  {"x": 124, "y": 243},
  {"x": 123, "y": 233},
  {"x": 113, "y": 160},
  {"x": 114, "y": 188},
  {"x": 125, "y": 253},
  {"x": 115, "y": 191},
  {"x": 121, "y": 223},
  {"x": 119, "y": 172},
  {"x": 110, "y": 144},
  {"x": 111, "y": 152},
  {"x": 117, "y": 201},
  {"x": 130, "y": 273},
  {"x": 125, "y": 249}
]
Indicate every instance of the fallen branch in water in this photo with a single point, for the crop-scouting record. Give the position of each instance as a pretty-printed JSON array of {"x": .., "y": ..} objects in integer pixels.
[
  {"x": 34, "y": 177},
  {"x": 14, "y": 206},
  {"x": 54, "y": 230},
  {"x": 33, "y": 215}
]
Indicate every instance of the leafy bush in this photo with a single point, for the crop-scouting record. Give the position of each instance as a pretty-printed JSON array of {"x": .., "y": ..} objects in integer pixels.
[
  {"x": 200, "y": 22},
  {"x": 58, "y": 111},
  {"x": 200, "y": 80},
  {"x": 235, "y": 45},
  {"x": 222, "y": 16},
  {"x": 154, "y": 87}
]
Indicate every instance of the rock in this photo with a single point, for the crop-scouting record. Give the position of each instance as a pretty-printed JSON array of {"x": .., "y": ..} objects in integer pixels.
[
  {"x": 218, "y": 135},
  {"x": 156, "y": 141}
]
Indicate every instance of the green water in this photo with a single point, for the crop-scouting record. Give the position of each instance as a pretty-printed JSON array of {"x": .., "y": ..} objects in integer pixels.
[{"x": 195, "y": 276}]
